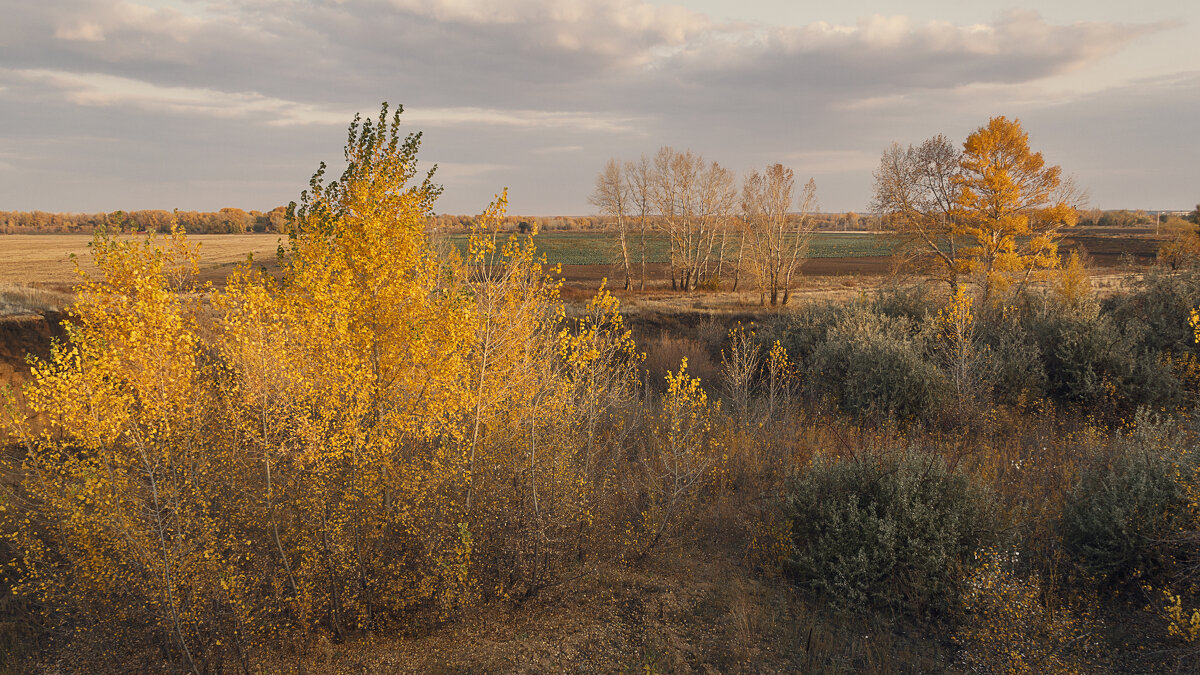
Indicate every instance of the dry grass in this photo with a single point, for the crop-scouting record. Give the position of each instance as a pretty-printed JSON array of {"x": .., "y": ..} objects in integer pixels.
[
  {"x": 18, "y": 299},
  {"x": 678, "y": 615}
]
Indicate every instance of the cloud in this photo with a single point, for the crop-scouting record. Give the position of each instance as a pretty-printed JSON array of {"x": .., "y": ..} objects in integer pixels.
[
  {"x": 556, "y": 149},
  {"x": 95, "y": 89},
  {"x": 886, "y": 54},
  {"x": 560, "y": 84},
  {"x": 460, "y": 170},
  {"x": 830, "y": 161},
  {"x": 536, "y": 119}
]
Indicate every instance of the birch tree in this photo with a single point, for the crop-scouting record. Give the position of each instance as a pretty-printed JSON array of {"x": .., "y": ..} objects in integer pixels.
[
  {"x": 777, "y": 240},
  {"x": 638, "y": 177},
  {"x": 612, "y": 197}
]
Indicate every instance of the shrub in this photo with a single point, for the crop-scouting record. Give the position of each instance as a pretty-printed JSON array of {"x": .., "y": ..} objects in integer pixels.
[
  {"x": 1124, "y": 516},
  {"x": 803, "y": 331},
  {"x": 1011, "y": 625},
  {"x": 911, "y": 302},
  {"x": 887, "y": 531},
  {"x": 1160, "y": 306},
  {"x": 1076, "y": 354},
  {"x": 711, "y": 283},
  {"x": 1015, "y": 369},
  {"x": 876, "y": 364}
]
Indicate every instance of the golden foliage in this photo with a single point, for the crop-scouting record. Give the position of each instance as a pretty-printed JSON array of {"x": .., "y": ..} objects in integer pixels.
[
  {"x": 1071, "y": 283},
  {"x": 1010, "y": 626},
  {"x": 1009, "y": 208},
  {"x": 956, "y": 331},
  {"x": 991, "y": 212},
  {"x": 378, "y": 434},
  {"x": 1181, "y": 623},
  {"x": 682, "y": 457}
]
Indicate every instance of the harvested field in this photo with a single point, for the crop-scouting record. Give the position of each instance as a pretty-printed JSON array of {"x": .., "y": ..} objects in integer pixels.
[{"x": 46, "y": 259}]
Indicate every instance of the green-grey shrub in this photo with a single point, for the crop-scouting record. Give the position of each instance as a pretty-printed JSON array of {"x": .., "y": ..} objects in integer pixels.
[
  {"x": 1078, "y": 355},
  {"x": 1015, "y": 369},
  {"x": 912, "y": 301},
  {"x": 1124, "y": 517},
  {"x": 885, "y": 532},
  {"x": 801, "y": 332},
  {"x": 872, "y": 363},
  {"x": 1157, "y": 310}
]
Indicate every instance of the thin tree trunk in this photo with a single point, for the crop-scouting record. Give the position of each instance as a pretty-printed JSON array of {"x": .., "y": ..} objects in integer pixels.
[
  {"x": 624, "y": 250},
  {"x": 643, "y": 284}
]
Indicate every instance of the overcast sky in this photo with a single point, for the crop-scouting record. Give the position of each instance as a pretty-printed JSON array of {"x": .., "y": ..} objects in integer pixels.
[{"x": 128, "y": 104}]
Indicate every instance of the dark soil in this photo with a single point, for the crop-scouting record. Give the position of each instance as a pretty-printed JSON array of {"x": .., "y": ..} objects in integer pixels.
[{"x": 22, "y": 335}]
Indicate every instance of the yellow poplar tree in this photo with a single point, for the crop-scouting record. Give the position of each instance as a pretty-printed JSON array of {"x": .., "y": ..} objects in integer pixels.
[
  {"x": 123, "y": 524},
  {"x": 376, "y": 435},
  {"x": 1010, "y": 207}
]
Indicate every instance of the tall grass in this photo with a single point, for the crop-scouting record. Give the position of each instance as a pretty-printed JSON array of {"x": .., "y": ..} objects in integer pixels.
[{"x": 17, "y": 299}]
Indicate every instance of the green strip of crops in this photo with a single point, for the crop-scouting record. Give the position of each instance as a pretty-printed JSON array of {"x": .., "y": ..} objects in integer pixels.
[{"x": 603, "y": 248}]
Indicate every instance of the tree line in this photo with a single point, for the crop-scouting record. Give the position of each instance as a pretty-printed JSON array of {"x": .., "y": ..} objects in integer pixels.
[
  {"x": 713, "y": 228},
  {"x": 223, "y": 221}
]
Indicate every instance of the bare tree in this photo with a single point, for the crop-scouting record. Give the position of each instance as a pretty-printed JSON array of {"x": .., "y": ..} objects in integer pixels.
[
  {"x": 916, "y": 189},
  {"x": 673, "y": 187},
  {"x": 638, "y": 177},
  {"x": 612, "y": 198},
  {"x": 775, "y": 239},
  {"x": 695, "y": 202},
  {"x": 718, "y": 204}
]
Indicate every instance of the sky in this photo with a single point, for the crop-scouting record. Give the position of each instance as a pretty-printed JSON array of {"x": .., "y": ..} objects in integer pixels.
[{"x": 198, "y": 105}]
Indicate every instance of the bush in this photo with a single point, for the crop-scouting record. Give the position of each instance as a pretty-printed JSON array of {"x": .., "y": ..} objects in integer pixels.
[
  {"x": 1157, "y": 311},
  {"x": 872, "y": 363},
  {"x": 1077, "y": 355},
  {"x": 1012, "y": 625},
  {"x": 911, "y": 302},
  {"x": 1123, "y": 518},
  {"x": 886, "y": 532},
  {"x": 1015, "y": 369},
  {"x": 801, "y": 332}
]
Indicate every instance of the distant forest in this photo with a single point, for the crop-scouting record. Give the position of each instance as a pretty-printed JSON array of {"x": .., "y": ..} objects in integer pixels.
[{"x": 238, "y": 221}]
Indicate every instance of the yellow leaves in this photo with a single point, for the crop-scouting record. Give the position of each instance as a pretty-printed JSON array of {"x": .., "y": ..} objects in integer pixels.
[
  {"x": 1008, "y": 209},
  {"x": 1011, "y": 625},
  {"x": 956, "y": 321},
  {"x": 1181, "y": 623},
  {"x": 225, "y": 467},
  {"x": 1072, "y": 285}
]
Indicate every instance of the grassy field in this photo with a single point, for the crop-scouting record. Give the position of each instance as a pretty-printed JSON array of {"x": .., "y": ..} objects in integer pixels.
[
  {"x": 602, "y": 248},
  {"x": 45, "y": 260}
]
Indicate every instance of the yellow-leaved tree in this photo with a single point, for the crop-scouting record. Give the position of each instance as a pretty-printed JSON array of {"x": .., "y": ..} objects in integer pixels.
[
  {"x": 374, "y": 436},
  {"x": 1010, "y": 207},
  {"x": 121, "y": 528},
  {"x": 991, "y": 212}
]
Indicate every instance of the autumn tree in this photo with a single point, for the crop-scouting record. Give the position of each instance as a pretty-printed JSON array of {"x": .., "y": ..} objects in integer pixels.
[
  {"x": 1182, "y": 247},
  {"x": 1010, "y": 207},
  {"x": 695, "y": 201},
  {"x": 917, "y": 191},
  {"x": 613, "y": 197},
  {"x": 639, "y": 178},
  {"x": 991, "y": 212},
  {"x": 358, "y": 442},
  {"x": 775, "y": 239}
]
